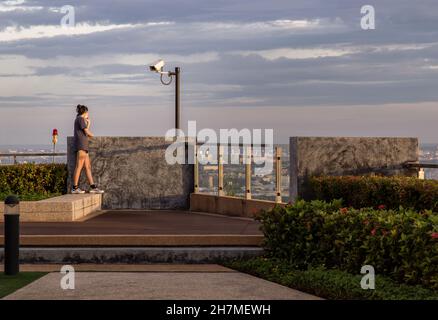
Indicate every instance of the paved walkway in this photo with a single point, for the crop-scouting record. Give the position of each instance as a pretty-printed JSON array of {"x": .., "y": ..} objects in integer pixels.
[
  {"x": 159, "y": 282},
  {"x": 156, "y": 267}
]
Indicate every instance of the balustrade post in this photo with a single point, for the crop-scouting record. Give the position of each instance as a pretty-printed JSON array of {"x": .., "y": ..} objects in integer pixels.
[
  {"x": 220, "y": 171},
  {"x": 248, "y": 172},
  {"x": 278, "y": 174}
]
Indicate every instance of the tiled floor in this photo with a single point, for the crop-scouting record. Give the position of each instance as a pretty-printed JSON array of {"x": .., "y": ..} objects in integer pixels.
[{"x": 146, "y": 223}]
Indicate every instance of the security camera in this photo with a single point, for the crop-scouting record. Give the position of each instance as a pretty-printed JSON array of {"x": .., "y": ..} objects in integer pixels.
[{"x": 157, "y": 66}]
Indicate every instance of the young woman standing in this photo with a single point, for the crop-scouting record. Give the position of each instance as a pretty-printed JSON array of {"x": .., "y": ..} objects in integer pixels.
[{"x": 80, "y": 144}]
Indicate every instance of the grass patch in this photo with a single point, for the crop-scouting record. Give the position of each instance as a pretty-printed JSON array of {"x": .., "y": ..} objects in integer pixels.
[
  {"x": 10, "y": 284},
  {"x": 31, "y": 196},
  {"x": 330, "y": 284}
]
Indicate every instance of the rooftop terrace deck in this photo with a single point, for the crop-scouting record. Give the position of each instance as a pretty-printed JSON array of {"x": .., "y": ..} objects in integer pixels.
[{"x": 144, "y": 228}]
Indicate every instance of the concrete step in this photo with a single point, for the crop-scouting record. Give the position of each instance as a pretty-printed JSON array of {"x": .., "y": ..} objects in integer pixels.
[
  {"x": 120, "y": 267},
  {"x": 139, "y": 240},
  {"x": 68, "y": 255}
]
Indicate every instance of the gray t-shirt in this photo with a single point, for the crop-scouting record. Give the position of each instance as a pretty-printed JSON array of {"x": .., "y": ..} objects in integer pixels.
[{"x": 80, "y": 141}]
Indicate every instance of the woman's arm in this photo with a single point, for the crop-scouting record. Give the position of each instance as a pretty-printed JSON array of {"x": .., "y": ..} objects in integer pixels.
[
  {"x": 88, "y": 133},
  {"x": 87, "y": 129}
]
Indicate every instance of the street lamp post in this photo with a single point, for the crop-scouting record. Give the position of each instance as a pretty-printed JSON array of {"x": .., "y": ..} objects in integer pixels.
[
  {"x": 158, "y": 67},
  {"x": 12, "y": 235},
  {"x": 177, "y": 98}
]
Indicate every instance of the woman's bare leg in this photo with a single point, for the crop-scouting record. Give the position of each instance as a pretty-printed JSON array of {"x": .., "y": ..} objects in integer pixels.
[
  {"x": 80, "y": 162},
  {"x": 88, "y": 169}
]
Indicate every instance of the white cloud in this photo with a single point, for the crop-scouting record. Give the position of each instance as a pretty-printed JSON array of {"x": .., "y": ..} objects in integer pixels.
[
  {"x": 16, "y": 33},
  {"x": 273, "y": 24},
  {"x": 203, "y": 30},
  {"x": 21, "y": 65},
  {"x": 14, "y": 65},
  {"x": 143, "y": 59},
  {"x": 398, "y": 47},
  {"x": 17, "y": 5},
  {"x": 13, "y": 2},
  {"x": 297, "y": 53},
  {"x": 295, "y": 23},
  {"x": 226, "y": 29},
  {"x": 337, "y": 51}
]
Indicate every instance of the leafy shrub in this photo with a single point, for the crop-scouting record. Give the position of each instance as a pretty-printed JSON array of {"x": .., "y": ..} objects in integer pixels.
[
  {"x": 372, "y": 191},
  {"x": 399, "y": 243},
  {"x": 33, "y": 179},
  {"x": 330, "y": 284}
]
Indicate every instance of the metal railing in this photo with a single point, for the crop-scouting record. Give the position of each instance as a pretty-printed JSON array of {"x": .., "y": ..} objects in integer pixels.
[
  {"x": 248, "y": 156},
  {"x": 42, "y": 154},
  {"x": 421, "y": 166}
]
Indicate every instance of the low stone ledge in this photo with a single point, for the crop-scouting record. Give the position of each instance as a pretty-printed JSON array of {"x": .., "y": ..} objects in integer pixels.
[
  {"x": 229, "y": 206},
  {"x": 64, "y": 208}
]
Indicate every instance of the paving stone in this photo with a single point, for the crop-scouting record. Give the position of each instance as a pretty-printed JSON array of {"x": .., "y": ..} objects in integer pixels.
[{"x": 159, "y": 285}]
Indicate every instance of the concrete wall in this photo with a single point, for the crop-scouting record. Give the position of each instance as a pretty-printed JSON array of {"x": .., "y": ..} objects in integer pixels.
[
  {"x": 230, "y": 206},
  {"x": 336, "y": 156},
  {"x": 134, "y": 173}
]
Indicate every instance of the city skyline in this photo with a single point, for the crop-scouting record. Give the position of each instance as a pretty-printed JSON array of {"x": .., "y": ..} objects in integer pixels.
[{"x": 301, "y": 68}]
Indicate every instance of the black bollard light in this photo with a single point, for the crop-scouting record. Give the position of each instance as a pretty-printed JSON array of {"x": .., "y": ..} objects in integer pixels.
[{"x": 12, "y": 235}]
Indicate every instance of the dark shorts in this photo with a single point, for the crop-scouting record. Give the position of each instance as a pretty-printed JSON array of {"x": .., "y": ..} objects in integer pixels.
[{"x": 86, "y": 151}]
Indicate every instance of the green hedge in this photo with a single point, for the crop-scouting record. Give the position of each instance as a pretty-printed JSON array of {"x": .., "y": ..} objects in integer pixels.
[
  {"x": 330, "y": 284},
  {"x": 401, "y": 244},
  {"x": 372, "y": 191},
  {"x": 33, "y": 179}
]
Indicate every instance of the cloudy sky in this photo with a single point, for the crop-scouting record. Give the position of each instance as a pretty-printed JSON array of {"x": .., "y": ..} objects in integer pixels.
[{"x": 301, "y": 67}]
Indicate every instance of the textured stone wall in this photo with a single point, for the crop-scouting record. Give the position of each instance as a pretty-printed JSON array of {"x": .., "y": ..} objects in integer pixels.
[
  {"x": 336, "y": 156},
  {"x": 134, "y": 174}
]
